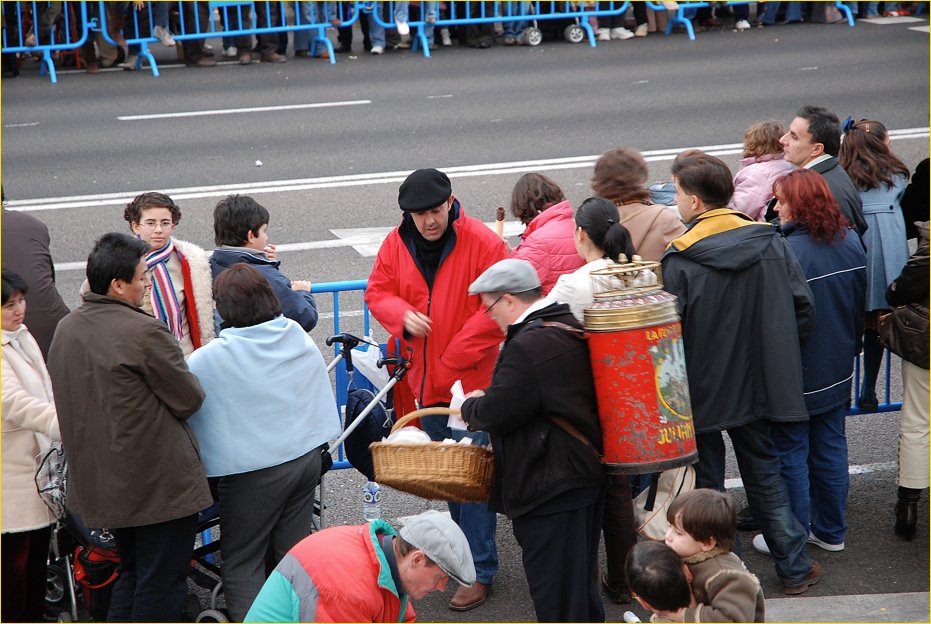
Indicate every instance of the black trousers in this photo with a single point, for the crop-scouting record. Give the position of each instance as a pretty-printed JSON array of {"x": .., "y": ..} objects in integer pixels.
[
  {"x": 154, "y": 562},
  {"x": 24, "y": 555},
  {"x": 620, "y": 532},
  {"x": 560, "y": 556}
]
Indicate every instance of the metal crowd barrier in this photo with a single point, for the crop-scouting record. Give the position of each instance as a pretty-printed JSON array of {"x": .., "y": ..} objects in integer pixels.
[
  {"x": 264, "y": 18},
  {"x": 682, "y": 16},
  {"x": 477, "y": 12},
  {"x": 19, "y": 26}
]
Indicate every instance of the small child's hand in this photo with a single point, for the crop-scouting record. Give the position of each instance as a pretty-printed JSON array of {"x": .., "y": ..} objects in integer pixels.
[
  {"x": 300, "y": 285},
  {"x": 271, "y": 252}
]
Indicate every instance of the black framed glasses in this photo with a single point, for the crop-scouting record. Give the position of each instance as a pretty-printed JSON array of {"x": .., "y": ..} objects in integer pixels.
[{"x": 488, "y": 309}]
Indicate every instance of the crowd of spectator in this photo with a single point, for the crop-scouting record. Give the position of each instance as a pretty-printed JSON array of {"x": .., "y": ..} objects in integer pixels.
[
  {"x": 303, "y": 26},
  {"x": 187, "y": 375}
]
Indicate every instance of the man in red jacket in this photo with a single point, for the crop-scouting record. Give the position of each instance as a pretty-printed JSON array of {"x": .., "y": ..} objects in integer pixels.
[{"x": 418, "y": 291}]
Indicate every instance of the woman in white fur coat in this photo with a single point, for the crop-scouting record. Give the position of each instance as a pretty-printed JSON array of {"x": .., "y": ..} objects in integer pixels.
[{"x": 30, "y": 424}]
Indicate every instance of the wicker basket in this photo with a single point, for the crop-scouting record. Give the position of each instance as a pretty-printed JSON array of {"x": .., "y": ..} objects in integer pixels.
[{"x": 433, "y": 470}]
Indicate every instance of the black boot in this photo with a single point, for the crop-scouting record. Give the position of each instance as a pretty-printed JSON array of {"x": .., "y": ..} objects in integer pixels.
[{"x": 906, "y": 513}]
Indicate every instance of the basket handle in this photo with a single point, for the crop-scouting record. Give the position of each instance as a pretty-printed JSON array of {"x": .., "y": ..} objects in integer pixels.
[{"x": 427, "y": 411}]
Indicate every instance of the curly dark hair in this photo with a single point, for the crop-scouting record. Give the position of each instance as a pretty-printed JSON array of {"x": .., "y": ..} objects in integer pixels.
[
  {"x": 133, "y": 211},
  {"x": 811, "y": 203},
  {"x": 533, "y": 194},
  {"x": 867, "y": 159},
  {"x": 762, "y": 139},
  {"x": 621, "y": 175}
]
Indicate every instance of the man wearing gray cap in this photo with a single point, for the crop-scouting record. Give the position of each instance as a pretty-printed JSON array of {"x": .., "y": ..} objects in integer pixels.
[
  {"x": 541, "y": 413},
  {"x": 418, "y": 291},
  {"x": 365, "y": 573}
]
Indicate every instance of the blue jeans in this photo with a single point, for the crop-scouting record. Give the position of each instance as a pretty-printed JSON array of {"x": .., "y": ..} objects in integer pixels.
[
  {"x": 477, "y": 523},
  {"x": 771, "y": 9},
  {"x": 814, "y": 466},
  {"x": 154, "y": 562},
  {"x": 766, "y": 493},
  {"x": 313, "y": 13}
]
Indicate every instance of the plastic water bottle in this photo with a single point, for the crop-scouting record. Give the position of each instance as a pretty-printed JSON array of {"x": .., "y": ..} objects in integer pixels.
[
  {"x": 371, "y": 504},
  {"x": 630, "y": 616}
]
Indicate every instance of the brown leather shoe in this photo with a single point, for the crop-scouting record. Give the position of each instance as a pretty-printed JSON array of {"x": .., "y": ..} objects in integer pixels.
[
  {"x": 467, "y": 598},
  {"x": 245, "y": 58},
  {"x": 274, "y": 57},
  {"x": 202, "y": 62},
  {"x": 813, "y": 577}
]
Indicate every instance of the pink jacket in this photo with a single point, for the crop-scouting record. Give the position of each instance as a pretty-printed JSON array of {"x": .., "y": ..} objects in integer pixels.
[
  {"x": 548, "y": 244},
  {"x": 753, "y": 184}
]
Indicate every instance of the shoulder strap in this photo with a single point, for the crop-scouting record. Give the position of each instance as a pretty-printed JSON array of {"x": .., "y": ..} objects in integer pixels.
[{"x": 569, "y": 428}]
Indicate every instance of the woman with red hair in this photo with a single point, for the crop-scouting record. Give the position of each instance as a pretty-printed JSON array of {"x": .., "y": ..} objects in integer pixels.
[{"x": 814, "y": 453}]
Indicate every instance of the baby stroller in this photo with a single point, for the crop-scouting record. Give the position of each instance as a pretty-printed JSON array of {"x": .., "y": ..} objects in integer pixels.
[{"x": 83, "y": 562}]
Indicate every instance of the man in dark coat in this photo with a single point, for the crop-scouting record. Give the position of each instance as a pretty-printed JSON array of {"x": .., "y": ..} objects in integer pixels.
[
  {"x": 123, "y": 393},
  {"x": 542, "y": 416},
  {"x": 26, "y": 252},
  {"x": 812, "y": 142},
  {"x": 745, "y": 305}
]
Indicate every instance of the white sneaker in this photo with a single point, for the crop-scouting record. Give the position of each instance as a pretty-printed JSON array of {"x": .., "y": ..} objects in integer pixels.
[
  {"x": 742, "y": 25},
  {"x": 642, "y": 30},
  {"x": 445, "y": 38},
  {"x": 760, "y": 545},
  {"x": 378, "y": 50},
  {"x": 604, "y": 34},
  {"x": 231, "y": 52},
  {"x": 621, "y": 33},
  {"x": 813, "y": 539},
  {"x": 403, "y": 28},
  {"x": 130, "y": 63},
  {"x": 164, "y": 36}
]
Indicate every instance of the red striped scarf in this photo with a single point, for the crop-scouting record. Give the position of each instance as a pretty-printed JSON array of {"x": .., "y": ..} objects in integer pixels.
[{"x": 165, "y": 302}]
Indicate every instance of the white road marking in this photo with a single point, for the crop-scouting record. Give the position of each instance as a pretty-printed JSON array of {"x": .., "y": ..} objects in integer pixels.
[
  {"x": 730, "y": 484},
  {"x": 885, "y": 21},
  {"x": 236, "y": 111},
  {"x": 921, "y": 29},
  {"x": 366, "y": 241},
  {"x": 384, "y": 177},
  {"x": 21, "y": 125}
]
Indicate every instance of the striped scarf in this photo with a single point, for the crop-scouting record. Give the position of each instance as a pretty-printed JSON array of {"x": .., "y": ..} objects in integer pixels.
[{"x": 165, "y": 302}]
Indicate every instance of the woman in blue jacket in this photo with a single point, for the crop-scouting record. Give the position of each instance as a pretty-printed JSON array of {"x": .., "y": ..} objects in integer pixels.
[
  {"x": 268, "y": 409},
  {"x": 814, "y": 452}
]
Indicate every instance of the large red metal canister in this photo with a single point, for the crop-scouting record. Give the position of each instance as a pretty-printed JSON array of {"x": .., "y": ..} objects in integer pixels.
[{"x": 638, "y": 363}]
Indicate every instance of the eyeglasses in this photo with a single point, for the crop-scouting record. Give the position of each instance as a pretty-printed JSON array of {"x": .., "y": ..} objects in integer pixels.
[
  {"x": 151, "y": 225},
  {"x": 488, "y": 309}
]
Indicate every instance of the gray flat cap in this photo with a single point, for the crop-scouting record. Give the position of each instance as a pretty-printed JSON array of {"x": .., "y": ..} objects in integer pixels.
[
  {"x": 506, "y": 276},
  {"x": 443, "y": 542}
]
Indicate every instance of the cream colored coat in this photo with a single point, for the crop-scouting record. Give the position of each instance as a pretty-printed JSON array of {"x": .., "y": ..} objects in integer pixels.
[{"x": 29, "y": 421}]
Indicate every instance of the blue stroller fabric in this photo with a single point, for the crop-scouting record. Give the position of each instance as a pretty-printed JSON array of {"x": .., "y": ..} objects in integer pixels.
[{"x": 375, "y": 426}]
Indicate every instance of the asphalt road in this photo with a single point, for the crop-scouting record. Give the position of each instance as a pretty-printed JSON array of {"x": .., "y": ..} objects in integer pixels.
[{"x": 488, "y": 116}]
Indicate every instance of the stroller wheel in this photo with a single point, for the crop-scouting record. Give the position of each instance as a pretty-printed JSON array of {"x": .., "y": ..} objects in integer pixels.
[
  {"x": 56, "y": 580},
  {"x": 532, "y": 36},
  {"x": 574, "y": 33},
  {"x": 211, "y": 615}
]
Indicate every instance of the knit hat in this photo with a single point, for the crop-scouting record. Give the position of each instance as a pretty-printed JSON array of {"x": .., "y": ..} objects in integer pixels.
[
  {"x": 424, "y": 189},
  {"x": 443, "y": 542}
]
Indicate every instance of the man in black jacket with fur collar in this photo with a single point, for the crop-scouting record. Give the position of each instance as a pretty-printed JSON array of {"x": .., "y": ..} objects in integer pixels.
[{"x": 542, "y": 416}]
